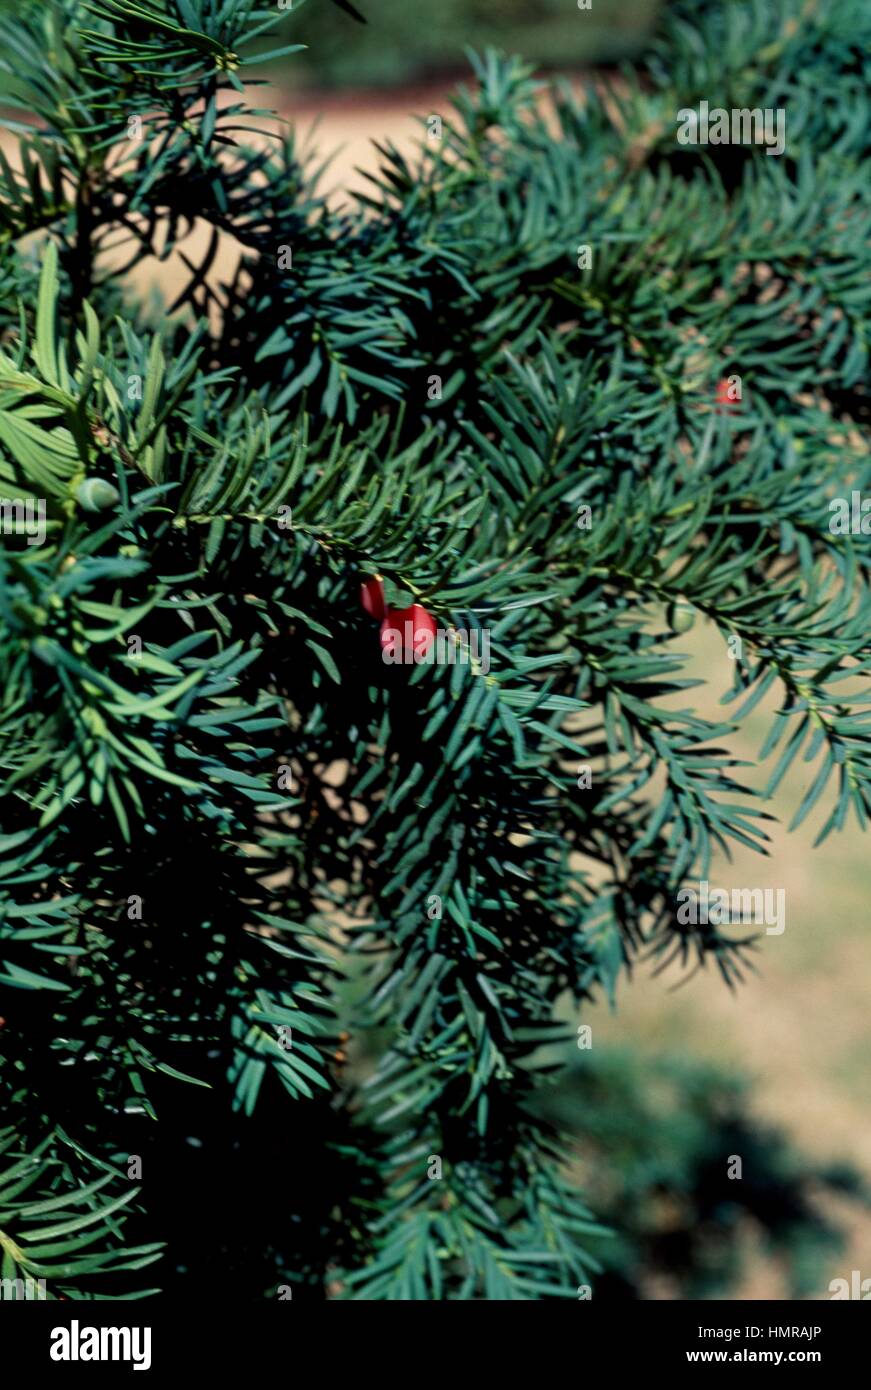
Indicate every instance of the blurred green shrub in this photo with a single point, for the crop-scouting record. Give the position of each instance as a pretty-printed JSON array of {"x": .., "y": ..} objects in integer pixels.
[
  {"x": 653, "y": 1140},
  {"x": 409, "y": 40}
]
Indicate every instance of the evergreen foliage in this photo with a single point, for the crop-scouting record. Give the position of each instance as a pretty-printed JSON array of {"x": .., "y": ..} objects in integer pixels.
[{"x": 171, "y": 646}]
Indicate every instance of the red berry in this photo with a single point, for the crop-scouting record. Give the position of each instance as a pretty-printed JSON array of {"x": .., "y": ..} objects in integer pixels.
[
  {"x": 372, "y": 597},
  {"x": 415, "y": 627},
  {"x": 723, "y": 397}
]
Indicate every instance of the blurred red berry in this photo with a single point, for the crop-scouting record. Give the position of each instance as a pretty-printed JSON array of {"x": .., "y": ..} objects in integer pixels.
[
  {"x": 416, "y": 628},
  {"x": 372, "y": 597}
]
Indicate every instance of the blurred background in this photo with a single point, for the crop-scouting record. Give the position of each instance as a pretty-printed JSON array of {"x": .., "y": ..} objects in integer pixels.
[
  {"x": 370, "y": 81},
  {"x": 777, "y": 1071},
  {"x": 410, "y": 41}
]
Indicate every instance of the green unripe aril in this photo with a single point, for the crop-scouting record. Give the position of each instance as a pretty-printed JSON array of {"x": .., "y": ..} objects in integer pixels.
[{"x": 96, "y": 495}]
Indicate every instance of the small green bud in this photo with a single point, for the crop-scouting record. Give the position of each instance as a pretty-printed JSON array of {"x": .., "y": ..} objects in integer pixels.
[
  {"x": 681, "y": 617},
  {"x": 46, "y": 649},
  {"x": 96, "y": 495}
]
